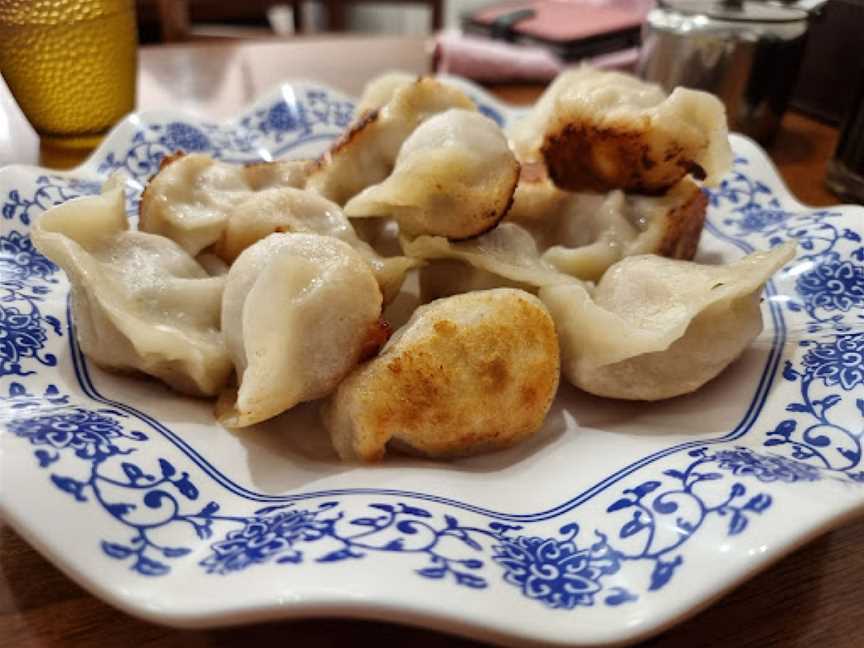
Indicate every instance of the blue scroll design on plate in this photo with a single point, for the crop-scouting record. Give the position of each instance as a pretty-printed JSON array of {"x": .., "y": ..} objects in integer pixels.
[
  {"x": 25, "y": 279},
  {"x": 149, "y": 495},
  {"x": 829, "y": 285},
  {"x": 312, "y": 114},
  {"x": 90, "y": 454}
]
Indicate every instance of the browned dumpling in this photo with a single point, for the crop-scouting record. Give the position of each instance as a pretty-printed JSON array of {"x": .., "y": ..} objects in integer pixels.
[
  {"x": 454, "y": 177},
  {"x": 366, "y": 153},
  {"x": 598, "y": 130},
  {"x": 466, "y": 374}
]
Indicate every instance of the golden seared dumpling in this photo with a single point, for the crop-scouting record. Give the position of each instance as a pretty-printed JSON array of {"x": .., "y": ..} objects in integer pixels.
[
  {"x": 656, "y": 328},
  {"x": 366, "y": 153},
  {"x": 600, "y": 130},
  {"x": 454, "y": 176},
  {"x": 299, "y": 311},
  {"x": 191, "y": 197},
  {"x": 466, "y": 374}
]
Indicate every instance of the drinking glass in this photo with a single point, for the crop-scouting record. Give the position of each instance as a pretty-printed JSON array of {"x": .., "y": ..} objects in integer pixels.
[{"x": 71, "y": 65}]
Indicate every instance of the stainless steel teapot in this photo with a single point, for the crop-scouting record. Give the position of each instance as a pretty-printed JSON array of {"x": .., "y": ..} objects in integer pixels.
[{"x": 746, "y": 52}]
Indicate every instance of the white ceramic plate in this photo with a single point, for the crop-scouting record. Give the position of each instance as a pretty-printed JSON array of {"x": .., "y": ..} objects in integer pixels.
[{"x": 618, "y": 520}]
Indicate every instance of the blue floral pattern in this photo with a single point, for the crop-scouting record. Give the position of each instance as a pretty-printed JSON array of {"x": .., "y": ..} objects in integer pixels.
[
  {"x": 100, "y": 457},
  {"x": 25, "y": 279},
  {"x": 833, "y": 285},
  {"x": 839, "y": 362},
  {"x": 557, "y": 572}
]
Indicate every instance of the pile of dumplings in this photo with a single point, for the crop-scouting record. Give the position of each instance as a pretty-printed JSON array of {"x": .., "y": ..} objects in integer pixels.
[{"x": 559, "y": 247}]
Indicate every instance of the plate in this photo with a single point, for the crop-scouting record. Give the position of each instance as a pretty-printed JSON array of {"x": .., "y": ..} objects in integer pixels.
[{"x": 616, "y": 521}]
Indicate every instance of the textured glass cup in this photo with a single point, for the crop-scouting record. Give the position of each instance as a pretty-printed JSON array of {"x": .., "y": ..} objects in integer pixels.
[{"x": 71, "y": 65}]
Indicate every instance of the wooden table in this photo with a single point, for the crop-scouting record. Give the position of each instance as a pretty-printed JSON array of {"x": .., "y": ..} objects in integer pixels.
[{"x": 810, "y": 598}]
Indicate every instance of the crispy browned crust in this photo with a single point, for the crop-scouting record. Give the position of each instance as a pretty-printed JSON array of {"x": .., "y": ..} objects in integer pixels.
[
  {"x": 377, "y": 336},
  {"x": 582, "y": 156},
  {"x": 443, "y": 396},
  {"x": 345, "y": 140},
  {"x": 492, "y": 219},
  {"x": 684, "y": 227},
  {"x": 171, "y": 157},
  {"x": 145, "y": 197}
]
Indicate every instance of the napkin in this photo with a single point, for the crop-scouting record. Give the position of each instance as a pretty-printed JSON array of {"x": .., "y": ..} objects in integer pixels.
[
  {"x": 19, "y": 143},
  {"x": 483, "y": 59}
]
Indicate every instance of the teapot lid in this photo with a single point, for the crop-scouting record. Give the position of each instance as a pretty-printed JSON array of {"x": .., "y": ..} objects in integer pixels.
[{"x": 738, "y": 10}]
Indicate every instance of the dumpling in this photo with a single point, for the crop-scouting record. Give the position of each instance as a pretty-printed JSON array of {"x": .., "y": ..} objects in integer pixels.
[
  {"x": 600, "y": 130},
  {"x": 656, "y": 328},
  {"x": 140, "y": 302},
  {"x": 454, "y": 176},
  {"x": 588, "y": 232},
  {"x": 366, "y": 153},
  {"x": 191, "y": 196},
  {"x": 442, "y": 383},
  {"x": 288, "y": 209},
  {"x": 536, "y": 200},
  {"x": 381, "y": 89},
  {"x": 280, "y": 210},
  {"x": 505, "y": 256},
  {"x": 299, "y": 311},
  {"x": 279, "y": 173}
]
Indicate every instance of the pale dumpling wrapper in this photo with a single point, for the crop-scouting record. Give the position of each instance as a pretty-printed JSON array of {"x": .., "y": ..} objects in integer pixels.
[
  {"x": 656, "y": 328},
  {"x": 291, "y": 210},
  {"x": 440, "y": 385},
  {"x": 381, "y": 89},
  {"x": 454, "y": 176},
  {"x": 140, "y": 302},
  {"x": 298, "y": 313},
  {"x": 583, "y": 234},
  {"x": 506, "y": 256},
  {"x": 191, "y": 197},
  {"x": 278, "y": 173},
  {"x": 601, "y": 130},
  {"x": 366, "y": 153}
]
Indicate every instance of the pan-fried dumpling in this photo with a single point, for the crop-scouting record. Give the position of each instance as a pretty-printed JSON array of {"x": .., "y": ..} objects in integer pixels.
[
  {"x": 366, "y": 153},
  {"x": 140, "y": 302},
  {"x": 657, "y": 328},
  {"x": 465, "y": 375},
  {"x": 381, "y": 89},
  {"x": 190, "y": 198},
  {"x": 536, "y": 200},
  {"x": 600, "y": 130},
  {"x": 298, "y": 313},
  {"x": 287, "y": 209},
  {"x": 586, "y": 233},
  {"x": 454, "y": 177},
  {"x": 506, "y": 256},
  {"x": 280, "y": 173}
]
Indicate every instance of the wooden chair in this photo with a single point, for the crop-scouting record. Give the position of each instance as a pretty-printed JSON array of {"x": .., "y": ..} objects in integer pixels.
[
  {"x": 175, "y": 22},
  {"x": 336, "y": 11},
  {"x": 174, "y": 15}
]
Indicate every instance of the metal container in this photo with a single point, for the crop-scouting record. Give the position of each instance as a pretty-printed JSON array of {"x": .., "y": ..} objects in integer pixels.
[{"x": 747, "y": 53}]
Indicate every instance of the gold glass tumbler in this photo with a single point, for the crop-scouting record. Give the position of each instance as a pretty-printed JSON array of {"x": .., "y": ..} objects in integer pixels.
[{"x": 71, "y": 65}]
